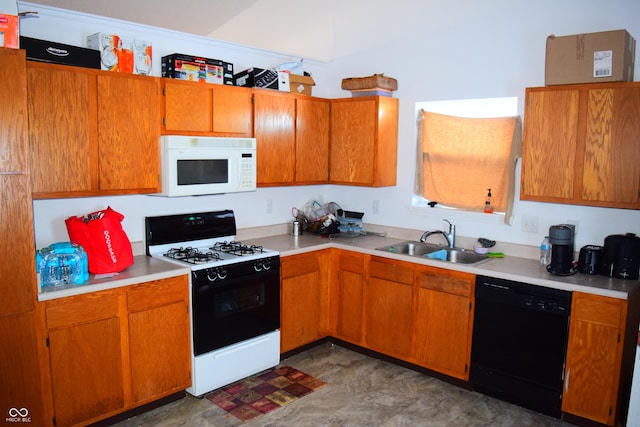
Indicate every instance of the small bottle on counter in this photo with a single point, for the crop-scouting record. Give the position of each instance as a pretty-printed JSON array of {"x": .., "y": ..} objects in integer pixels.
[
  {"x": 545, "y": 251},
  {"x": 487, "y": 203}
]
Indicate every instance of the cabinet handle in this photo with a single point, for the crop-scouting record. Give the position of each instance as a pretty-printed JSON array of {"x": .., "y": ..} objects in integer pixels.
[{"x": 566, "y": 381}]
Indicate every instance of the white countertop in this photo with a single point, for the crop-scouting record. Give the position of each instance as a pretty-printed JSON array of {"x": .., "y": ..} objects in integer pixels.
[
  {"x": 509, "y": 268},
  {"x": 144, "y": 269}
]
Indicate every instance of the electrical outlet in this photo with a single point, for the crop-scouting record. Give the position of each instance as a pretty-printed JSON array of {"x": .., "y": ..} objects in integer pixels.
[
  {"x": 269, "y": 206},
  {"x": 529, "y": 224},
  {"x": 376, "y": 207}
]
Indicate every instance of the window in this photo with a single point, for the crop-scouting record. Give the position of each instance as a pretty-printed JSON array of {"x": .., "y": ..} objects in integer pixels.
[{"x": 466, "y": 147}]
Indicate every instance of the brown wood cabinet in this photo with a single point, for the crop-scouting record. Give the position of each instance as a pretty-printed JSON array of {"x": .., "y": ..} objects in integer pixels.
[
  {"x": 312, "y": 140},
  {"x": 364, "y": 141},
  {"x": 19, "y": 363},
  {"x": 304, "y": 299},
  {"x": 112, "y": 350},
  {"x": 582, "y": 145},
  {"x": 444, "y": 320},
  {"x": 594, "y": 356},
  {"x": 194, "y": 108},
  {"x": 348, "y": 295},
  {"x": 92, "y": 132},
  {"x": 274, "y": 130},
  {"x": 388, "y": 306}
]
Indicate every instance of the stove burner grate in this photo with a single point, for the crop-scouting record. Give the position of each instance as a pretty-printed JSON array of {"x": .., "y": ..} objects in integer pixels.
[
  {"x": 191, "y": 255},
  {"x": 237, "y": 248}
]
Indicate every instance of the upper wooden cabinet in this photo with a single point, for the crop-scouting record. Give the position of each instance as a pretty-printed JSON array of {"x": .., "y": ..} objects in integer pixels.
[
  {"x": 312, "y": 140},
  {"x": 194, "y": 108},
  {"x": 13, "y": 112},
  {"x": 274, "y": 130},
  {"x": 92, "y": 132},
  {"x": 364, "y": 141},
  {"x": 582, "y": 145}
]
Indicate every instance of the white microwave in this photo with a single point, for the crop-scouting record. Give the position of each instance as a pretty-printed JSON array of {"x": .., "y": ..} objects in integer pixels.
[{"x": 197, "y": 165}]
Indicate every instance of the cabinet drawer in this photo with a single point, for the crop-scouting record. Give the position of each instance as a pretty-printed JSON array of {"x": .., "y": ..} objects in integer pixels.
[
  {"x": 85, "y": 309},
  {"x": 351, "y": 262},
  {"x": 391, "y": 270},
  {"x": 597, "y": 309},
  {"x": 157, "y": 293},
  {"x": 451, "y": 282},
  {"x": 297, "y": 265}
]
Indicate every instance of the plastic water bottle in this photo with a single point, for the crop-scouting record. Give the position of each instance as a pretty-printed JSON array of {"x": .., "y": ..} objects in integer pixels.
[{"x": 545, "y": 251}]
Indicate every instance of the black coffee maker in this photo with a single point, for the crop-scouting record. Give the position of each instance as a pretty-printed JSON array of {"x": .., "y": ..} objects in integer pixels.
[{"x": 561, "y": 239}]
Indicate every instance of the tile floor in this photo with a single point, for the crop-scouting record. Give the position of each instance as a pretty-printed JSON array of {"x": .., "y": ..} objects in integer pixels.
[{"x": 360, "y": 391}]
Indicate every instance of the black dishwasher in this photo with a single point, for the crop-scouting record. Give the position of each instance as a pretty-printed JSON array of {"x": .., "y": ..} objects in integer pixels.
[{"x": 520, "y": 334}]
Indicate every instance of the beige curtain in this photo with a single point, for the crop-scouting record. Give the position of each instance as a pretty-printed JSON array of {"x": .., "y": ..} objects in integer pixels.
[{"x": 460, "y": 158}]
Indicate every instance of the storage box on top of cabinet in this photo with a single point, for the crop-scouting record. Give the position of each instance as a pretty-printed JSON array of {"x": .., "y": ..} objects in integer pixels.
[
  {"x": 377, "y": 84},
  {"x": 197, "y": 69},
  {"x": 607, "y": 56}
]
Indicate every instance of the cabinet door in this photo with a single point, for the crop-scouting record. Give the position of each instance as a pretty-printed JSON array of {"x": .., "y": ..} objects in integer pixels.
[
  {"x": 62, "y": 129},
  {"x": 594, "y": 356},
  {"x": 612, "y": 147},
  {"x": 18, "y": 283},
  {"x": 349, "y": 298},
  {"x": 364, "y": 141},
  {"x": 129, "y": 133},
  {"x": 159, "y": 338},
  {"x": 274, "y": 130},
  {"x": 204, "y": 109},
  {"x": 550, "y": 143},
  {"x": 312, "y": 140},
  {"x": 304, "y": 300},
  {"x": 13, "y": 108},
  {"x": 388, "y": 307},
  {"x": 443, "y": 321},
  {"x": 85, "y": 347}
]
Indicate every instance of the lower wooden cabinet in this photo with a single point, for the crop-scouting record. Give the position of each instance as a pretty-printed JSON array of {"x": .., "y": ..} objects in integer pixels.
[
  {"x": 303, "y": 299},
  {"x": 594, "y": 355},
  {"x": 112, "y": 350},
  {"x": 348, "y": 296},
  {"x": 388, "y": 306},
  {"x": 444, "y": 320}
]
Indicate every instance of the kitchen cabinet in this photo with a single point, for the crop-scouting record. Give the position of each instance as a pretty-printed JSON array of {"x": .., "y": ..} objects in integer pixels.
[
  {"x": 312, "y": 140},
  {"x": 19, "y": 356},
  {"x": 594, "y": 356},
  {"x": 112, "y": 350},
  {"x": 582, "y": 145},
  {"x": 104, "y": 140},
  {"x": 274, "y": 130},
  {"x": 348, "y": 295},
  {"x": 364, "y": 141},
  {"x": 444, "y": 320},
  {"x": 194, "y": 108},
  {"x": 304, "y": 299},
  {"x": 388, "y": 306}
]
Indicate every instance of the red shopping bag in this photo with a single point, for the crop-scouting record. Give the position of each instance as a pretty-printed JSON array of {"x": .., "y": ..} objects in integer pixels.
[{"x": 103, "y": 239}]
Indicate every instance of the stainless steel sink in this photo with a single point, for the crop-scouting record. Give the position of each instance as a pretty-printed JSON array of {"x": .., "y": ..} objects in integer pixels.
[{"x": 432, "y": 251}]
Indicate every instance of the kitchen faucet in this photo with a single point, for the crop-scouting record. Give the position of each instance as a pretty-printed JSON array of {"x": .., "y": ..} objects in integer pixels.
[{"x": 450, "y": 236}]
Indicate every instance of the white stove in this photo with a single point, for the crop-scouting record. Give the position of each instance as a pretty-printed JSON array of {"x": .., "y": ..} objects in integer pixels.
[{"x": 234, "y": 299}]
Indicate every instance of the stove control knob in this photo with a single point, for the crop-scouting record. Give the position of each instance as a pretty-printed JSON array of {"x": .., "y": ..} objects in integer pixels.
[
  {"x": 266, "y": 264},
  {"x": 212, "y": 276},
  {"x": 222, "y": 273},
  {"x": 258, "y": 266}
]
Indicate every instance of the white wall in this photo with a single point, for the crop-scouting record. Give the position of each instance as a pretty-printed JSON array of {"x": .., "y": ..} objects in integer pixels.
[{"x": 457, "y": 50}]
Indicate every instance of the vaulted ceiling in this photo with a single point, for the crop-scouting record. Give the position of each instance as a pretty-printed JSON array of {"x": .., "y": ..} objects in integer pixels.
[{"x": 315, "y": 30}]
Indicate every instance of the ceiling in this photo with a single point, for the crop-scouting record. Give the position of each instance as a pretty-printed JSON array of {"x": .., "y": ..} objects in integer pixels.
[{"x": 322, "y": 31}]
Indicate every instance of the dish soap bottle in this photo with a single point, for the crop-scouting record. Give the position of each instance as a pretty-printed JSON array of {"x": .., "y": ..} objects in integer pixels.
[
  {"x": 487, "y": 203},
  {"x": 545, "y": 251}
]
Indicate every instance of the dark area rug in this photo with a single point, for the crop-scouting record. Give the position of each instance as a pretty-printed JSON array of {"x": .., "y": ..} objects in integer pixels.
[{"x": 264, "y": 392}]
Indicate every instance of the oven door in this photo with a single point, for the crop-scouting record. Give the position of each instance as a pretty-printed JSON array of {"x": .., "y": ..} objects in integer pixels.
[{"x": 234, "y": 310}]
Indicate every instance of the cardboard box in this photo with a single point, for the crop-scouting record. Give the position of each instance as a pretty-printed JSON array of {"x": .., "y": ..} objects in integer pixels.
[
  {"x": 117, "y": 53},
  {"x": 301, "y": 84},
  {"x": 58, "y": 53},
  {"x": 263, "y": 78},
  {"x": 197, "y": 69},
  {"x": 9, "y": 30},
  {"x": 606, "y": 56}
]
